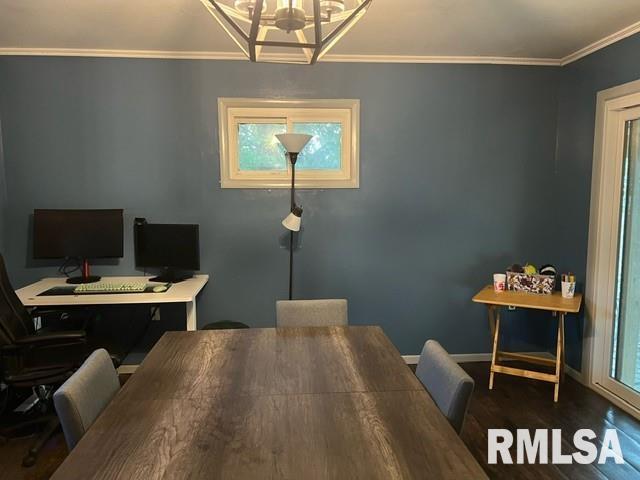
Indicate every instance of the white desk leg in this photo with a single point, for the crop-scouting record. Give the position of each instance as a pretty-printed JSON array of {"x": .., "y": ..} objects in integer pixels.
[{"x": 191, "y": 316}]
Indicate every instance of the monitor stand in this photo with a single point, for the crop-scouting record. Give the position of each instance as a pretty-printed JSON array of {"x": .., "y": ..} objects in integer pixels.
[
  {"x": 170, "y": 275},
  {"x": 79, "y": 280},
  {"x": 86, "y": 275}
]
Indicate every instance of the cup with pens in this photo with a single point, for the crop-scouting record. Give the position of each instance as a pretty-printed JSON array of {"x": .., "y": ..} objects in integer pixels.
[{"x": 568, "y": 285}]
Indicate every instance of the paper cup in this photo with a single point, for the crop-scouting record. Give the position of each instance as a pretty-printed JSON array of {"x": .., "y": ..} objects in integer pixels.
[
  {"x": 568, "y": 289},
  {"x": 499, "y": 282}
]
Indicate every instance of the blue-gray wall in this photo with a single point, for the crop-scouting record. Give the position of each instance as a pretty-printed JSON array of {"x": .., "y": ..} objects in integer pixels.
[
  {"x": 579, "y": 84},
  {"x": 456, "y": 162},
  {"x": 3, "y": 192}
]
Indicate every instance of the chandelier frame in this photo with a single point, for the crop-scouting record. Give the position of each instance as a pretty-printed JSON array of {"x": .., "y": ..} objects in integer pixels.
[{"x": 260, "y": 24}]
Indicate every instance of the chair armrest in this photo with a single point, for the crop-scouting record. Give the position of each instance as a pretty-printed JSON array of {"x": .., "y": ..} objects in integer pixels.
[
  {"x": 43, "y": 351},
  {"x": 77, "y": 336}
]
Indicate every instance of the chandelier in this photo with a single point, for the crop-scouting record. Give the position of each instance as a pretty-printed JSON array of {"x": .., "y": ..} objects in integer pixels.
[{"x": 286, "y": 31}]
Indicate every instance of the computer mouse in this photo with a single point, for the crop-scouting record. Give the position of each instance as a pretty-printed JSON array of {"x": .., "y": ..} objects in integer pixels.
[{"x": 160, "y": 288}]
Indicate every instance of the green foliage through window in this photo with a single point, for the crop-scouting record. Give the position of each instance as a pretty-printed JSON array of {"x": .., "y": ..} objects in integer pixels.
[
  {"x": 324, "y": 150},
  {"x": 259, "y": 149}
]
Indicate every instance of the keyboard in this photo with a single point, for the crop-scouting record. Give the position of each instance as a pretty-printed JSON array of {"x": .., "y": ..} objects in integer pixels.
[{"x": 103, "y": 287}]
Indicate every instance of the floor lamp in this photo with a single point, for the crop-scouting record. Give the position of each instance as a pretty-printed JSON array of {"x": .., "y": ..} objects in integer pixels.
[{"x": 293, "y": 143}]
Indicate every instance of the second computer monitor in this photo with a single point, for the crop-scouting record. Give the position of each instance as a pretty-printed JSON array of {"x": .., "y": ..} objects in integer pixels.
[{"x": 174, "y": 248}]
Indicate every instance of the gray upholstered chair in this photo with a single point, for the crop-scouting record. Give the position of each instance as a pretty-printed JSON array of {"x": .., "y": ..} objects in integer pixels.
[
  {"x": 311, "y": 313},
  {"x": 84, "y": 395},
  {"x": 447, "y": 383}
]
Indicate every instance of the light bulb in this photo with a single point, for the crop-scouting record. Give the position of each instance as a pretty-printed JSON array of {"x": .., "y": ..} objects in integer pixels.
[
  {"x": 246, "y": 6},
  {"x": 294, "y": 4},
  {"x": 331, "y": 7}
]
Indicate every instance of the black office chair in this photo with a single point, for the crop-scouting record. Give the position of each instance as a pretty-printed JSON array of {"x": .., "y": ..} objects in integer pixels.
[{"x": 37, "y": 360}]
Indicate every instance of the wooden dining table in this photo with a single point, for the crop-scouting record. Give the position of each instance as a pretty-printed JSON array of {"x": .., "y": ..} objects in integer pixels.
[{"x": 288, "y": 403}]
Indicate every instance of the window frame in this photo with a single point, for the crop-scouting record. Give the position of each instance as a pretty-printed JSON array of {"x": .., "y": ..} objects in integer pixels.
[{"x": 232, "y": 111}]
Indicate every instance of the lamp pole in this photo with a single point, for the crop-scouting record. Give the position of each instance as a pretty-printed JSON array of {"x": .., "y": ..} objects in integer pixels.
[
  {"x": 293, "y": 144},
  {"x": 293, "y": 157}
]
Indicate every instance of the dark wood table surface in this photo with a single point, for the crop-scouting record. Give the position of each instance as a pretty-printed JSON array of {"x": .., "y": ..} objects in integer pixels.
[{"x": 294, "y": 403}]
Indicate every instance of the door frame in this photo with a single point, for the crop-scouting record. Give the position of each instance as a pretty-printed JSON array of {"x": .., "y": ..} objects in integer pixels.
[{"x": 603, "y": 245}]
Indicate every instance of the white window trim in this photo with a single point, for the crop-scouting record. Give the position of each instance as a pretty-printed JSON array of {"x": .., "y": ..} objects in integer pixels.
[
  {"x": 605, "y": 187},
  {"x": 346, "y": 111}
]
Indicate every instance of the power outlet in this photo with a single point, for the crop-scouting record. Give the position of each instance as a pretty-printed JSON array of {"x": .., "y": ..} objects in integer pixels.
[{"x": 156, "y": 315}]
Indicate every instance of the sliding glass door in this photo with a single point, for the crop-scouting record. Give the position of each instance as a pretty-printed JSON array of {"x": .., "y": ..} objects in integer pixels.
[
  {"x": 625, "y": 349},
  {"x": 620, "y": 361}
]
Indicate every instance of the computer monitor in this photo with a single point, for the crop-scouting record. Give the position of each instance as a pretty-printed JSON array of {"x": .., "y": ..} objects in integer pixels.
[
  {"x": 81, "y": 234},
  {"x": 175, "y": 248}
]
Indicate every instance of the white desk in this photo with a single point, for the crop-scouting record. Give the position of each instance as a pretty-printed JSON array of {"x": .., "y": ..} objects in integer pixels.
[{"x": 181, "y": 292}]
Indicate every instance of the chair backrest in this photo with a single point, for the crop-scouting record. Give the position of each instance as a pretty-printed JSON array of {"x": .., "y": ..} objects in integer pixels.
[
  {"x": 15, "y": 321},
  {"x": 85, "y": 394},
  {"x": 447, "y": 383},
  {"x": 311, "y": 313}
]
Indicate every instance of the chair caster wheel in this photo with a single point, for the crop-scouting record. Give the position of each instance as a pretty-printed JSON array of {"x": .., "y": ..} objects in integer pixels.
[{"x": 29, "y": 460}]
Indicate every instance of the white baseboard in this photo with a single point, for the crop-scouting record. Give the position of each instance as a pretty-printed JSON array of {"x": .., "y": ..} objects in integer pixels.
[
  {"x": 486, "y": 357},
  {"x": 411, "y": 359},
  {"x": 576, "y": 375},
  {"x": 127, "y": 369},
  {"x": 471, "y": 357},
  {"x": 573, "y": 373},
  {"x": 458, "y": 357}
]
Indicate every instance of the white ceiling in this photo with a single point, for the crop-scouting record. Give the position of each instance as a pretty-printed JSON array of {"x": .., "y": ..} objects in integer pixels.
[{"x": 522, "y": 31}]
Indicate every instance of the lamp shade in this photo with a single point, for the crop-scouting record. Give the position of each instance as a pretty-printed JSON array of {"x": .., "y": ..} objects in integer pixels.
[
  {"x": 293, "y": 220},
  {"x": 293, "y": 142}
]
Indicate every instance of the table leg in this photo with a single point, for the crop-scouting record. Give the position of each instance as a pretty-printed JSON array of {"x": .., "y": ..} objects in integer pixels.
[
  {"x": 496, "y": 333},
  {"x": 559, "y": 355},
  {"x": 191, "y": 316},
  {"x": 492, "y": 319},
  {"x": 562, "y": 361}
]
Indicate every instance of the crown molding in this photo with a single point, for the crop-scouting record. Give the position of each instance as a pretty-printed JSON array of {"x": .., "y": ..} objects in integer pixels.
[
  {"x": 90, "y": 52},
  {"x": 599, "y": 44},
  {"x": 197, "y": 55},
  {"x": 70, "y": 52},
  {"x": 442, "y": 59}
]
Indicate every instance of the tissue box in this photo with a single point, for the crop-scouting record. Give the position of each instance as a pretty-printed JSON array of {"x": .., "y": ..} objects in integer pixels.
[{"x": 522, "y": 282}]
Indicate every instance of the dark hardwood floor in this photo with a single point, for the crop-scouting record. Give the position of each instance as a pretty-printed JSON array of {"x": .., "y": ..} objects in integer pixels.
[
  {"x": 514, "y": 403},
  {"x": 523, "y": 403}
]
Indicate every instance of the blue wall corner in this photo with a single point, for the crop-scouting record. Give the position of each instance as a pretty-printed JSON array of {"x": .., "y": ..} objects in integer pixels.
[{"x": 579, "y": 85}]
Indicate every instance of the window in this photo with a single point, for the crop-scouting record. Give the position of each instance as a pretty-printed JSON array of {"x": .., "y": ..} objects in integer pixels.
[{"x": 252, "y": 157}]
